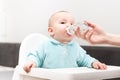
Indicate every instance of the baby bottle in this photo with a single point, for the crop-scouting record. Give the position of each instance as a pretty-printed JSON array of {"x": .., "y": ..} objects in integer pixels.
[{"x": 71, "y": 29}]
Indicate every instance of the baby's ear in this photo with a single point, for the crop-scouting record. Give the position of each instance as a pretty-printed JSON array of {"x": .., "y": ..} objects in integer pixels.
[{"x": 50, "y": 31}]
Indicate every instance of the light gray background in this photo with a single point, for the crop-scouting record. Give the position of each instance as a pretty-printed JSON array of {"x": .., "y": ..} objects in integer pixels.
[{"x": 18, "y": 18}]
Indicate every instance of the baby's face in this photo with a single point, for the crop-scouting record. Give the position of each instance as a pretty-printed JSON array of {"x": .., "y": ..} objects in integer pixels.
[{"x": 59, "y": 23}]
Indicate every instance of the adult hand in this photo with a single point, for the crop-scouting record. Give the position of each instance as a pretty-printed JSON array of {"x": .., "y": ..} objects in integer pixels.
[{"x": 94, "y": 34}]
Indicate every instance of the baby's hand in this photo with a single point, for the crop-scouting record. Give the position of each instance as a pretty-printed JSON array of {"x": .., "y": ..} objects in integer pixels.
[
  {"x": 27, "y": 67},
  {"x": 99, "y": 65}
]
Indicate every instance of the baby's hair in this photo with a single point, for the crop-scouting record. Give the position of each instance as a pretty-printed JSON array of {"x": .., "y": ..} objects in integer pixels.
[{"x": 51, "y": 17}]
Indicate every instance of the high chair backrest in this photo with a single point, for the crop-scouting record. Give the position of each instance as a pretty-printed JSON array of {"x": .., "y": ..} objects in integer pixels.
[{"x": 28, "y": 44}]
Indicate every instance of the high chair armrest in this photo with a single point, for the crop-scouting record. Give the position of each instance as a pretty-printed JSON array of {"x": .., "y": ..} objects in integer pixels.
[{"x": 81, "y": 73}]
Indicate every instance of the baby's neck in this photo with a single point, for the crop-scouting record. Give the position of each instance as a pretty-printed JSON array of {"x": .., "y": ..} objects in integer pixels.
[{"x": 61, "y": 41}]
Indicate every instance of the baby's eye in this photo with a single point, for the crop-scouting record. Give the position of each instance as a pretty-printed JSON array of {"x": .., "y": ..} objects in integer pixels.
[{"x": 62, "y": 22}]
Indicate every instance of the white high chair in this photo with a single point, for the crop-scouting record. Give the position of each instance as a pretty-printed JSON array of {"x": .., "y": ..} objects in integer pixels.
[{"x": 82, "y": 73}]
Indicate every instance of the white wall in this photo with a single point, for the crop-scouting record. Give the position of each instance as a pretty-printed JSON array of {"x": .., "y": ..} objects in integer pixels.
[
  {"x": 18, "y": 18},
  {"x": 2, "y": 23}
]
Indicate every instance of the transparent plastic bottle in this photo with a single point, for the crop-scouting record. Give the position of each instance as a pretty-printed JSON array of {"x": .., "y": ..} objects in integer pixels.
[{"x": 71, "y": 29}]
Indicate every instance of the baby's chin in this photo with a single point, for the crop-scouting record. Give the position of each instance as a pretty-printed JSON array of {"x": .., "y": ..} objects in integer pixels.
[
  {"x": 71, "y": 36},
  {"x": 69, "y": 39}
]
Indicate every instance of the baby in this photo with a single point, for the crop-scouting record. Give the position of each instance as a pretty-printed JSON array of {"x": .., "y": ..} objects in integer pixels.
[{"x": 61, "y": 50}]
